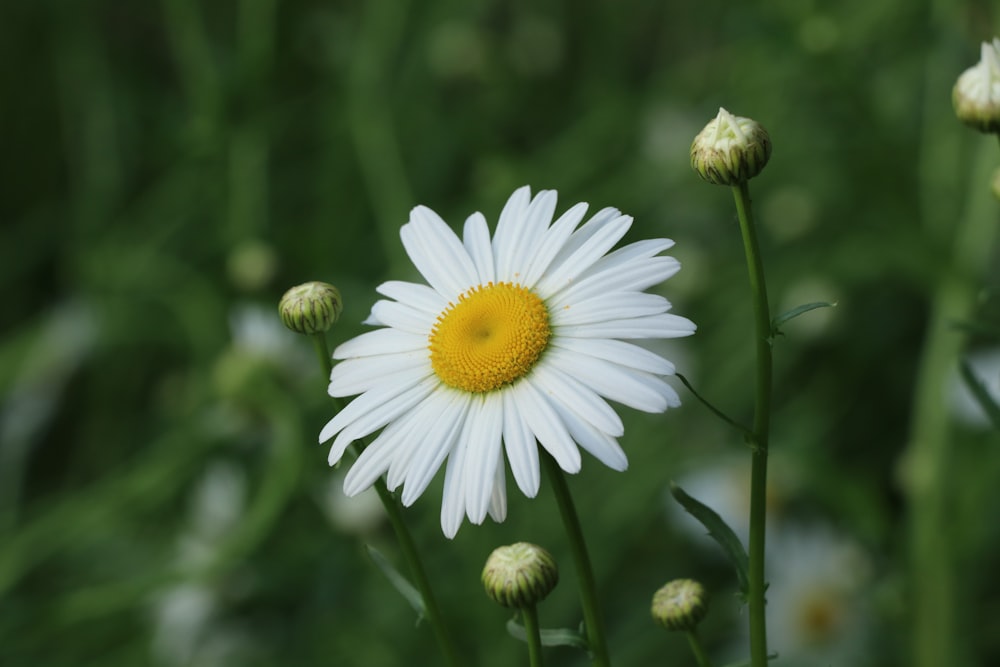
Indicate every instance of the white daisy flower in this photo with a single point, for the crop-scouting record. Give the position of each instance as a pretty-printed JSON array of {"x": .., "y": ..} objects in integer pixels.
[{"x": 514, "y": 339}]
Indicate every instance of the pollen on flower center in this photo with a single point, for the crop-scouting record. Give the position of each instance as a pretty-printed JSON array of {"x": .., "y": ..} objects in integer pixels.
[{"x": 491, "y": 337}]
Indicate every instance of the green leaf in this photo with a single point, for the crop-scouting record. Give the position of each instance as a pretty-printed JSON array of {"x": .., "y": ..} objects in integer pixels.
[
  {"x": 981, "y": 394},
  {"x": 399, "y": 582},
  {"x": 720, "y": 532},
  {"x": 795, "y": 312},
  {"x": 553, "y": 637}
]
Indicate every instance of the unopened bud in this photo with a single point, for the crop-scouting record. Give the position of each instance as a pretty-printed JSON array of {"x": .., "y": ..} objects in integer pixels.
[
  {"x": 520, "y": 575},
  {"x": 730, "y": 150},
  {"x": 976, "y": 95},
  {"x": 310, "y": 307},
  {"x": 680, "y": 605}
]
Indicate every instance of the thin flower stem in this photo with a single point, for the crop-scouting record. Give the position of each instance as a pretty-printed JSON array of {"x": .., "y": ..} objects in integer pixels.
[
  {"x": 529, "y": 615},
  {"x": 588, "y": 591},
  {"x": 761, "y": 427},
  {"x": 937, "y": 634},
  {"x": 406, "y": 543},
  {"x": 700, "y": 654}
]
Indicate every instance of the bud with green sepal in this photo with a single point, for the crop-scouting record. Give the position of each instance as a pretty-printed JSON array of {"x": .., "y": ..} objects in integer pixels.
[
  {"x": 680, "y": 604},
  {"x": 730, "y": 150},
  {"x": 520, "y": 575},
  {"x": 311, "y": 308},
  {"x": 976, "y": 95}
]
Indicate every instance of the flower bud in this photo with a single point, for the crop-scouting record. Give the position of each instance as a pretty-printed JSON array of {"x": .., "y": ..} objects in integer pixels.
[
  {"x": 976, "y": 95},
  {"x": 680, "y": 604},
  {"x": 520, "y": 575},
  {"x": 730, "y": 150},
  {"x": 995, "y": 183},
  {"x": 310, "y": 307}
]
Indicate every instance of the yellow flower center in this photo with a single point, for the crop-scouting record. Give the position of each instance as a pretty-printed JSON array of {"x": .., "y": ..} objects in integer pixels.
[{"x": 491, "y": 337}]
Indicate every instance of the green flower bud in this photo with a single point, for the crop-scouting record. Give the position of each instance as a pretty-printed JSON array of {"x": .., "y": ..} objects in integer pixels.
[
  {"x": 995, "y": 183},
  {"x": 730, "y": 150},
  {"x": 680, "y": 605},
  {"x": 520, "y": 575},
  {"x": 976, "y": 95},
  {"x": 310, "y": 307}
]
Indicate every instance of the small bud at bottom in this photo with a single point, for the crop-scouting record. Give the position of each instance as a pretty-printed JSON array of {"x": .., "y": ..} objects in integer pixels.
[
  {"x": 680, "y": 604},
  {"x": 520, "y": 575},
  {"x": 310, "y": 307}
]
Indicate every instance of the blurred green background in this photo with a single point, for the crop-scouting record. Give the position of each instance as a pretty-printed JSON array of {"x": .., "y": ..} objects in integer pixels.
[{"x": 170, "y": 168}]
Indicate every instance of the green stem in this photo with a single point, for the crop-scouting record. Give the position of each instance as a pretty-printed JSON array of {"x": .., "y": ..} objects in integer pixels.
[
  {"x": 761, "y": 427},
  {"x": 698, "y": 649},
  {"x": 529, "y": 615},
  {"x": 928, "y": 459},
  {"x": 406, "y": 544},
  {"x": 588, "y": 590}
]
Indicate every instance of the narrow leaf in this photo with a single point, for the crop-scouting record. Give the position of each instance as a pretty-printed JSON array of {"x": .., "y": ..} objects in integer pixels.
[
  {"x": 795, "y": 312},
  {"x": 981, "y": 394},
  {"x": 553, "y": 637},
  {"x": 720, "y": 532},
  {"x": 399, "y": 582}
]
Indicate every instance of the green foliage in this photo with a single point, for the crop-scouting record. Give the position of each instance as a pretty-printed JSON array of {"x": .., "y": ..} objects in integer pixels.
[{"x": 169, "y": 168}]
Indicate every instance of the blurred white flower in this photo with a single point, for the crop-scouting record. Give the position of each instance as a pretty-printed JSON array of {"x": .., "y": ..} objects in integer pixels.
[
  {"x": 181, "y": 616},
  {"x": 817, "y": 606},
  {"x": 258, "y": 331},
  {"x": 985, "y": 365},
  {"x": 724, "y": 485},
  {"x": 186, "y": 630},
  {"x": 360, "y": 514}
]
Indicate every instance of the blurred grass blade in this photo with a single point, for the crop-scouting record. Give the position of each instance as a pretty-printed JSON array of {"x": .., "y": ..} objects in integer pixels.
[
  {"x": 556, "y": 637},
  {"x": 799, "y": 310},
  {"x": 401, "y": 583},
  {"x": 720, "y": 532},
  {"x": 981, "y": 394}
]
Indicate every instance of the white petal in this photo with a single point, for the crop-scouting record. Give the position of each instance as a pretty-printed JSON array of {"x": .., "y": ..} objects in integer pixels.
[
  {"x": 355, "y": 376},
  {"x": 526, "y": 234},
  {"x": 505, "y": 236},
  {"x": 633, "y": 388},
  {"x": 634, "y": 277},
  {"x": 549, "y": 246},
  {"x": 519, "y": 443},
  {"x": 414, "y": 295},
  {"x": 498, "y": 501},
  {"x": 563, "y": 387},
  {"x": 373, "y": 400},
  {"x": 666, "y": 325},
  {"x": 450, "y": 408},
  {"x": 546, "y": 425},
  {"x": 607, "y": 307},
  {"x": 390, "y": 415},
  {"x": 401, "y": 316},
  {"x": 589, "y": 252},
  {"x": 379, "y": 455},
  {"x": 604, "y": 447},
  {"x": 619, "y": 352},
  {"x": 483, "y": 429},
  {"x": 453, "y": 500},
  {"x": 579, "y": 237},
  {"x": 380, "y": 341},
  {"x": 401, "y": 435},
  {"x": 437, "y": 253},
  {"x": 476, "y": 237}
]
